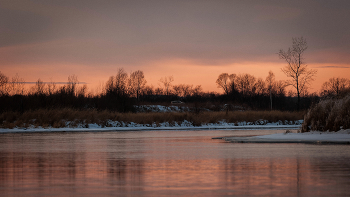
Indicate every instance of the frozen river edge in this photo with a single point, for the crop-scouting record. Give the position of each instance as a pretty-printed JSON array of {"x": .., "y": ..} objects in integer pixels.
[
  {"x": 313, "y": 137},
  {"x": 149, "y": 128}
]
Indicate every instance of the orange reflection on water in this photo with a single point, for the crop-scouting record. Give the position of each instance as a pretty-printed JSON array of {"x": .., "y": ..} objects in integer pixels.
[{"x": 89, "y": 167}]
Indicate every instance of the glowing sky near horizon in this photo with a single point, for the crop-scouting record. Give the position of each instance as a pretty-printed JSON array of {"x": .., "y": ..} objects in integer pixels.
[{"x": 194, "y": 41}]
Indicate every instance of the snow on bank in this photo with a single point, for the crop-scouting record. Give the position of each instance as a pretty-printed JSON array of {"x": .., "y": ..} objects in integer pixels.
[
  {"x": 160, "y": 108},
  {"x": 185, "y": 125},
  {"x": 342, "y": 135}
]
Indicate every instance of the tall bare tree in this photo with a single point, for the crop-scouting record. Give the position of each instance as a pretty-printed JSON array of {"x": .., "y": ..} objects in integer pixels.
[
  {"x": 118, "y": 85},
  {"x": 260, "y": 87},
  {"x": 197, "y": 91},
  {"x": 121, "y": 81},
  {"x": 270, "y": 80},
  {"x": 280, "y": 88},
  {"x": 82, "y": 91},
  {"x": 335, "y": 86},
  {"x": 148, "y": 90},
  {"x": 245, "y": 84},
  {"x": 4, "y": 84},
  {"x": 39, "y": 87},
  {"x": 166, "y": 81},
  {"x": 137, "y": 82},
  {"x": 72, "y": 84},
  {"x": 17, "y": 85},
  {"x": 51, "y": 87},
  {"x": 186, "y": 89},
  {"x": 158, "y": 91},
  {"x": 225, "y": 81},
  {"x": 296, "y": 69}
]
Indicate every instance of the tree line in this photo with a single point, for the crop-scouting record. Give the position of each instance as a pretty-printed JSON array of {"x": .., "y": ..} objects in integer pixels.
[{"x": 123, "y": 91}]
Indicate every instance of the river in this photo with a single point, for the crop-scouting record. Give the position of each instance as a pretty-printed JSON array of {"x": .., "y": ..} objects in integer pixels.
[{"x": 168, "y": 163}]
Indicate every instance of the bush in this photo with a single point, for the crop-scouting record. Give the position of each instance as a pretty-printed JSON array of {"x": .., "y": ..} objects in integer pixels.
[{"x": 328, "y": 115}]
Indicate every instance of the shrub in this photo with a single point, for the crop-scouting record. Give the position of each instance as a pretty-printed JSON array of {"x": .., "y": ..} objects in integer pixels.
[{"x": 328, "y": 115}]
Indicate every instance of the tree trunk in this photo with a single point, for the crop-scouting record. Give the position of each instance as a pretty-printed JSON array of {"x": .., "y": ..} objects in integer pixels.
[{"x": 271, "y": 99}]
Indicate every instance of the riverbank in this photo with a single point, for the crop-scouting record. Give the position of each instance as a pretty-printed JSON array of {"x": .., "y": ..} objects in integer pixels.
[
  {"x": 313, "y": 137},
  {"x": 70, "y": 118},
  {"x": 185, "y": 125}
]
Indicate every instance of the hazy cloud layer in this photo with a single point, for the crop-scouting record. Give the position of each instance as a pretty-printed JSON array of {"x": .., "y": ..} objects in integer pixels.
[{"x": 136, "y": 33}]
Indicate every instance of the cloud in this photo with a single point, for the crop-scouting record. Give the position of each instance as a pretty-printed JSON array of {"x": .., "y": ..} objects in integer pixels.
[
  {"x": 139, "y": 33},
  {"x": 276, "y": 13},
  {"x": 334, "y": 66}
]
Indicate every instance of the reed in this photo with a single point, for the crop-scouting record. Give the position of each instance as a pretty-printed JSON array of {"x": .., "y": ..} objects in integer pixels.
[
  {"x": 72, "y": 118},
  {"x": 328, "y": 115}
]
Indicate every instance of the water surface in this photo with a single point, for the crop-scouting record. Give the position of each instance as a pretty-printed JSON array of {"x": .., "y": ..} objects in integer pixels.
[{"x": 163, "y": 163}]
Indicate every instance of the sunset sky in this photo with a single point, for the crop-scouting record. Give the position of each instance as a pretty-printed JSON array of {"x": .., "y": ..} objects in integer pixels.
[{"x": 194, "y": 41}]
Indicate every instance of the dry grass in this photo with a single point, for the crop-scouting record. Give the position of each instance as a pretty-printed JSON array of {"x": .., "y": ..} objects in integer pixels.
[
  {"x": 72, "y": 118},
  {"x": 330, "y": 114}
]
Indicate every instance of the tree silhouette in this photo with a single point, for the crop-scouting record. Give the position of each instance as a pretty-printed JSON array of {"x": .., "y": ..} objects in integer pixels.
[
  {"x": 3, "y": 84},
  {"x": 137, "y": 82},
  {"x": 72, "y": 84},
  {"x": 39, "y": 87},
  {"x": 335, "y": 86},
  {"x": 270, "y": 80},
  {"x": 17, "y": 85},
  {"x": 166, "y": 81},
  {"x": 246, "y": 84},
  {"x": 296, "y": 68},
  {"x": 118, "y": 85},
  {"x": 225, "y": 81},
  {"x": 51, "y": 88}
]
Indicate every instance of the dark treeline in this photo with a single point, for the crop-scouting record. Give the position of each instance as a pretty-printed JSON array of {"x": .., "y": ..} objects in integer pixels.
[
  {"x": 260, "y": 94},
  {"x": 123, "y": 91}
]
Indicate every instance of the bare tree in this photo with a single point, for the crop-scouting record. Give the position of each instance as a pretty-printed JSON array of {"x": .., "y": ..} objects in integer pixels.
[
  {"x": 183, "y": 90},
  {"x": 39, "y": 87},
  {"x": 72, "y": 84},
  {"x": 137, "y": 82},
  {"x": 225, "y": 81},
  {"x": 100, "y": 89},
  {"x": 118, "y": 85},
  {"x": 110, "y": 84},
  {"x": 296, "y": 68},
  {"x": 186, "y": 89},
  {"x": 148, "y": 90},
  {"x": 245, "y": 84},
  {"x": 279, "y": 88},
  {"x": 51, "y": 88},
  {"x": 17, "y": 85},
  {"x": 259, "y": 87},
  {"x": 4, "y": 84},
  {"x": 177, "y": 90},
  {"x": 166, "y": 81},
  {"x": 121, "y": 80},
  {"x": 335, "y": 86},
  {"x": 158, "y": 91},
  {"x": 82, "y": 91},
  {"x": 197, "y": 91},
  {"x": 270, "y": 80}
]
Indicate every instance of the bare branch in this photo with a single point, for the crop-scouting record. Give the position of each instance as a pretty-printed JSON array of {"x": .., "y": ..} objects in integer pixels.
[{"x": 296, "y": 68}]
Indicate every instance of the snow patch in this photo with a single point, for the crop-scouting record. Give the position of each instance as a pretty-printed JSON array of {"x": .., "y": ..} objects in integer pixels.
[
  {"x": 160, "y": 108},
  {"x": 342, "y": 135},
  {"x": 122, "y": 126}
]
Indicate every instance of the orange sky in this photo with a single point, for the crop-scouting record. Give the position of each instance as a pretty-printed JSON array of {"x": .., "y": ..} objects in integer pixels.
[
  {"x": 183, "y": 73},
  {"x": 193, "y": 41}
]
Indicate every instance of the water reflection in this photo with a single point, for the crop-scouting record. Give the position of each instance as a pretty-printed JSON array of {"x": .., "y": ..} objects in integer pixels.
[{"x": 146, "y": 165}]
